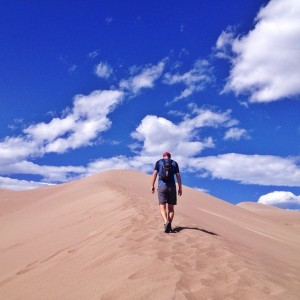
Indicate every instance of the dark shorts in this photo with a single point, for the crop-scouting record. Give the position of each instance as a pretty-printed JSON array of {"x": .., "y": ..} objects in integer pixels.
[{"x": 167, "y": 195}]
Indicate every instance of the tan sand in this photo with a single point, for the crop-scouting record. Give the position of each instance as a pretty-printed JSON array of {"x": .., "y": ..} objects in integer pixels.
[{"x": 102, "y": 238}]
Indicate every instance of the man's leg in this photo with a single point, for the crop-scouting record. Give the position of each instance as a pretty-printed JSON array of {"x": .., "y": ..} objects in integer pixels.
[
  {"x": 172, "y": 200},
  {"x": 170, "y": 212},
  {"x": 163, "y": 212},
  {"x": 163, "y": 197}
]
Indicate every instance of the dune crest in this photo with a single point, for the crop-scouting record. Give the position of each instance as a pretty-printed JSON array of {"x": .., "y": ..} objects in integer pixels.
[{"x": 101, "y": 238}]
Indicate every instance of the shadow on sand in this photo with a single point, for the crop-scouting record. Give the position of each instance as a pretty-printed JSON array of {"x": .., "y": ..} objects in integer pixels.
[{"x": 178, "y": 229}]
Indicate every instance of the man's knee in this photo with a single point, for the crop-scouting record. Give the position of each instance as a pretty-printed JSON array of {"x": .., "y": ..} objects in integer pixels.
[
  {"x": 162, "y": 206},
  {"x": 170, "y": 207}
]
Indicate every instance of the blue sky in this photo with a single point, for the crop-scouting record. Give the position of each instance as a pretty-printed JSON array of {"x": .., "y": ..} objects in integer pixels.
[{"x": 88, "y": 86}]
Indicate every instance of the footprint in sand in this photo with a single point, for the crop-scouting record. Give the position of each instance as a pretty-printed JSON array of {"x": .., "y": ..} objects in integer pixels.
[{"x": 28, "y": 268}]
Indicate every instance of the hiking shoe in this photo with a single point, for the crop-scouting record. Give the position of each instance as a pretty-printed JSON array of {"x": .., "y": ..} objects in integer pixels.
[{"x": 168, "y": 227}]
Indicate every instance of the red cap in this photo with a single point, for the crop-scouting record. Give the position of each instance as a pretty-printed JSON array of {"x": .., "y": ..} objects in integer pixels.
[{"x": 167, "y": 154}]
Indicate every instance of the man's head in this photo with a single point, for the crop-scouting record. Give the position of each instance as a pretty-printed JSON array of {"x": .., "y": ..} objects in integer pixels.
[{"x": 166, "y": 155}]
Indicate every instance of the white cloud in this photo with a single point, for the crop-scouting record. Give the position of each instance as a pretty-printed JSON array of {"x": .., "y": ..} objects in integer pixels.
[
  {"x": 244, "y": 104},
  {"x": 92, "y": 55},
  {"x": 48, "y": 173},
  {"x": 201, "y": 190},
  {"x": 250, "y": 169},
  {"x": 79, "y": 127},
  {"x": 141, "y": 163},
  {"x": 266, "y": 61},
  {"x": 13, "y": 149},
  {"x": 195, "y": 79},
  {"x": 84, "y": 134},
  {"x": 236, "y": 134},
  {"x": 224, "y": 43},
  {"x": 50, "y": 131},
  {"x": 281, "y": 199},
  {"x": 246, "y": 169},
  {"x": 157, "y": 134},
  {"x": 15, "y": 184},
  {"x": 145, "y": 79},
  {"x": 208, "y": 118},
  {"x": 103, "y": 70}
]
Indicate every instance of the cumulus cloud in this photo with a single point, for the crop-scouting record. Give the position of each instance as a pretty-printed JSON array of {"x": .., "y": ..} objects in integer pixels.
[
  {"x": 25, "y": 147},
  {"x": 235, "y": 134},
  {"x": 281, "y": 199},
  {"x": 48, "y": 173},
  {"x": 103, "y": 70},
  {"x": 202, "y": 117},
  {"x": 246, "y": 169},
  {"x": 250, "y": 169},
  {"x": 194, "y": 80},
  {"x": 265, "y": 62},
  {"x": 50, "y": 131},
  {"x": 145, "y": 79},
  {"x": 16, "y": 184},
  {"x": 159, "y": 134},
  {"x": 224, "y": 43},
  {"x": 156, "y": 134},
  {"x": 141, "y": 163},
  {"x": 80, "y": 127}
]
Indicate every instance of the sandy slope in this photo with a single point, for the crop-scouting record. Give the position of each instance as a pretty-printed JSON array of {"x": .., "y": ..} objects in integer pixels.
[
  {"x": 101, "y": 238},
  {"x": 284, "y": 217}
]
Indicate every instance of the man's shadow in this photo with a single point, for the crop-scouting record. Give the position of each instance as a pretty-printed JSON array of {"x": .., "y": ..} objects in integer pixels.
[{"x": 180, "y": 228}]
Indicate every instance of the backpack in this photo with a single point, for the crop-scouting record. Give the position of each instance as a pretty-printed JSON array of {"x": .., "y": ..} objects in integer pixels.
[{"x": 167, "y": 173}]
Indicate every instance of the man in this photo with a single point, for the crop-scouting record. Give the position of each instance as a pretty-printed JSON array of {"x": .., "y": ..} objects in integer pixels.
[{"x": 167, "y": 197}]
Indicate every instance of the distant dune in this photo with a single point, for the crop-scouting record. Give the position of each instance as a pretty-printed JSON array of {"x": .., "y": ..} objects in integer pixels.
[{"x": 102, "y": 238}]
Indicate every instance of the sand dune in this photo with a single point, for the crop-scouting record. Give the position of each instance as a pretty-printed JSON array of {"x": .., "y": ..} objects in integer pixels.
[
  {"x": 102, "y": 238},
  {"x": 285, "y": 217}
]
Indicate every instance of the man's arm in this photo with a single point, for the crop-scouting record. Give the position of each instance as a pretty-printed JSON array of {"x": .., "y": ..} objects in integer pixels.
[
  {"x": 179, "y": 184},
  {"x": 153, "y": 181}
]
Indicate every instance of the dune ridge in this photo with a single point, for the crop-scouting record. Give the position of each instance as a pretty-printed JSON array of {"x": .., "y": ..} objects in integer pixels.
[{"x": 101, "y": 238}]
